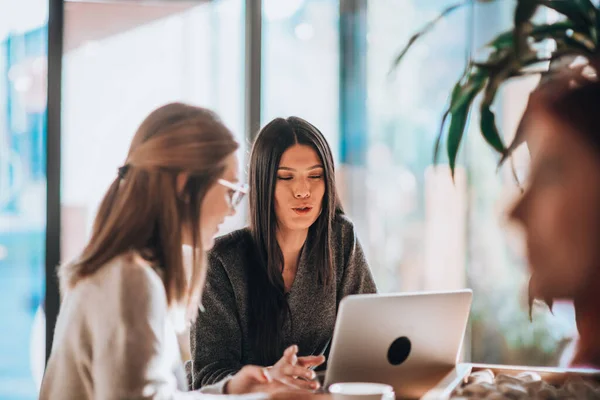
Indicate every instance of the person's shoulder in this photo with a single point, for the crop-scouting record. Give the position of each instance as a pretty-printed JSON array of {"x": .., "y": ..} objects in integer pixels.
[
  {"x": 128, "y": 269},
  {"x": 127, "y": 283},
  {"x": 231, "y": 251},
  {"x": 137, "y": 274},
  {"x": 343, "y": 227},
  {"x": 234, "y": 241}
]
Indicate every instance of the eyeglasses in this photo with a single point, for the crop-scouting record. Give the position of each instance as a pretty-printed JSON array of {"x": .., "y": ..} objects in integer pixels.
[{"x": 236, "y": 193}]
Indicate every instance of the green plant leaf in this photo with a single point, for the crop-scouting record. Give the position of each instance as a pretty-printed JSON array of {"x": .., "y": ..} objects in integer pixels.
[
  {"x": 591, "y": 14},
  {"x": 597, "y": 23},
  {"x": 525, "y": 10},
  {"x": 505, "y": 53},
  {"x": 588, "y": 9},
  {"x": 522, "y": 23},
  {"x": 581, "y": 12},
  {"x": 454, "y": 97},
  {"x": 459, "y": 112},
  {"x": 502, "y": 65},
  {"x": 430, "y": 25},
  {"x": 568, "y": 45},
  {"x": 502, "y": 41},
  {"x": 542, "y": 31},
  {"x": 458, "y": 123},
  {"x": 502, "y": 71},
  {"x": 489, "y": 129},
  {"x": 520, "y": 133},
  {"x": 512, "y": 55},
  {"x": 538, "y": 32},
  {"x": 582, "y": 40},
  {"x": 438, "y": 140}
]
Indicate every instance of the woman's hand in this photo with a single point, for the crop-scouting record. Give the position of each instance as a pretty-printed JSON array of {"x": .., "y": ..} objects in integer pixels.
[
  {"x": 293, "y": 371},
  {"x": 247, "y": 380},
  {"x": 296, "y": 371}
]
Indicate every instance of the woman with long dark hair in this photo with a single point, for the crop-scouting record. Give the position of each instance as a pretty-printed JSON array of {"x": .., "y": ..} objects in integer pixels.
[{"x": 275, "y": 287}]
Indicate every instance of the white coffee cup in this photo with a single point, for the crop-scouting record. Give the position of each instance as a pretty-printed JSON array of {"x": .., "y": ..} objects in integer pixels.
[{"x": 361, "y": 391}]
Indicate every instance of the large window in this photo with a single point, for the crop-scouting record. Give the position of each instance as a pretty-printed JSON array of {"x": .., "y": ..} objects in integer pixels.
[
  {"x": 152, "y": 53},
  {"x": 416, "y": 230},
  {"x": 301, "y": 63},
  {"x": 426, "y": 232},
  {"x": 23, "y": 48}
]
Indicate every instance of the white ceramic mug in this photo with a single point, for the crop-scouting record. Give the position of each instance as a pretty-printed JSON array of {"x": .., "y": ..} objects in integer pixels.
[{"x": 361, "y": 391}]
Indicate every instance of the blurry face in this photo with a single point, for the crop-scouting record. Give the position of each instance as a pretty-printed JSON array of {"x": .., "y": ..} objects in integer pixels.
[
  {"x": 560, "y": 211},
  {"x": 299, "y": 189},
  {"x": 216, "y": 205}
]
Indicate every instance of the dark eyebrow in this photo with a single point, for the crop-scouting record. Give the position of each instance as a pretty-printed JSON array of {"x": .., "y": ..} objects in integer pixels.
[{"x": 308, "y": 169}]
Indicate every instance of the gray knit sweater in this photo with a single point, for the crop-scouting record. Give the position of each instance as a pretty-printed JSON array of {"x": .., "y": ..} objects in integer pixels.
[{"x": 220, "y": 337}]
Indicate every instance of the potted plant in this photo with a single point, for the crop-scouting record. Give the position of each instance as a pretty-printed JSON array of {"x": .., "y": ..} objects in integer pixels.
[{"x": 529, "y": 48}]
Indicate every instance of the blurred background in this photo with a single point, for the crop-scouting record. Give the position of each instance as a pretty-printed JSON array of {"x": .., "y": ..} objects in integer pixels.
[{"x": 327, "y": 61}]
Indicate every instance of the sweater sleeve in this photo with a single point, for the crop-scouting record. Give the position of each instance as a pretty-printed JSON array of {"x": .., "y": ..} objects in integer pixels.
[
  {"x": 356, "y": 277},
  {"x": 131, "y": 353},
  {"x": 216, "y": 338}
]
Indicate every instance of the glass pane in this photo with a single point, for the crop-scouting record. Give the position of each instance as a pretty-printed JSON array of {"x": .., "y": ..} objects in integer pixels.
[
  {"x": 152, "y": 53},
  {"x": 301, "y": 62},
  {"x": 417, "y": 217},
  {"x": 501, "y": 330},
  {"x": 23, "y": 66},
  {"x": 426, "y": 232}
]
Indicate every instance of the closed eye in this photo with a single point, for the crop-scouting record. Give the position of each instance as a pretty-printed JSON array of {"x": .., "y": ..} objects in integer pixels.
[
  {"x": 284, "y": 178},
  {"x": 315, "y": 176}
]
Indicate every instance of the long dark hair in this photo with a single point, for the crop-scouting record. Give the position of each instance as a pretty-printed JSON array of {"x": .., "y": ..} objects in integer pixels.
[{"x": 268, "y": 308}]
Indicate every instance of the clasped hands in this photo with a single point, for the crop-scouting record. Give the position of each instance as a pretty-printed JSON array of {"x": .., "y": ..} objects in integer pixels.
[{"x": 290, "y": 373}]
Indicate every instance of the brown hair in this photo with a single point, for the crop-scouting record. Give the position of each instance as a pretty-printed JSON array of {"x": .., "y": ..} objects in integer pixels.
[
  {"x": 142, "y": 211},
  {"x": 579, "y": 108},
  {"x": 574, "y": 101}
]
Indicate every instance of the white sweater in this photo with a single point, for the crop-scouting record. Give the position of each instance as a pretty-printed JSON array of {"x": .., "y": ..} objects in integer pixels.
[{"x": 115, "y": 339}]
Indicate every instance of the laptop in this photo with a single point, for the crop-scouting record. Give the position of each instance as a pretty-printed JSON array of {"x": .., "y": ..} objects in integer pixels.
[{"x": 410, "y": 341}]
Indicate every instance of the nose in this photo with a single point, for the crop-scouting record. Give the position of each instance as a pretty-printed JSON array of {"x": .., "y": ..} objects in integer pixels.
[{"x": 302, "y": 191}]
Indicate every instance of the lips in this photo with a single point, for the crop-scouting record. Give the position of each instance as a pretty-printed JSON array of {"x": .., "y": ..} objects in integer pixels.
[{"x": 302, "y": 210}]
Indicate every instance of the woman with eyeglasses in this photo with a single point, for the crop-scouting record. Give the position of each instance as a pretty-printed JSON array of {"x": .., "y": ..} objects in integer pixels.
[
  {"x": 276, "y": 285},
  {"x": 129, "y": 293}
]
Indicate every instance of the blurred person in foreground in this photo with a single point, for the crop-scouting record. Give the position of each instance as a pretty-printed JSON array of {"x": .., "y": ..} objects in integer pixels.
[
  {"x": 560, "y": 207},
  {"x": 130, "y": 292}
]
